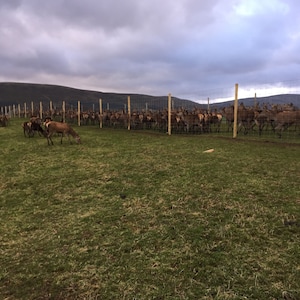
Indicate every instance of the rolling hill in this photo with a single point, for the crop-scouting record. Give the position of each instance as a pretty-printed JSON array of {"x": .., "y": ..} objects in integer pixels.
[{"x": 18, "y": 93}]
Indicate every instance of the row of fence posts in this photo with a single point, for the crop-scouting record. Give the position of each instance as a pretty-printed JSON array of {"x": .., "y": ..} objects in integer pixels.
[{"x": 12, "y": 111}]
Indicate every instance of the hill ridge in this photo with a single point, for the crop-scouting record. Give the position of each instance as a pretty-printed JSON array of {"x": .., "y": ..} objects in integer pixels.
[{"x": 17, "y": 93}]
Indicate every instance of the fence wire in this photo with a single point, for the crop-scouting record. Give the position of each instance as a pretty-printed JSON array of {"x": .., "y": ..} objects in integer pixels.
[{"x": 268, "y": 111}]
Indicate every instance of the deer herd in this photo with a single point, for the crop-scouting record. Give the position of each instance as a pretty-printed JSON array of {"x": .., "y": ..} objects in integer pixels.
[{"x": 277, "y": 118}]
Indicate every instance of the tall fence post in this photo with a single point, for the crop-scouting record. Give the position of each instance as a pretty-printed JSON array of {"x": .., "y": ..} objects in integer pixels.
[
  {"x": 129, "y": 112},
  {"x": 100, "y": 113},
  {"x": 25, "y": 110},
  {"x": 19, "y": 110},
  {"x": 235, "y": 121},
  {"x": 64, "y": 111},
  {"x": 169, "y": 113},
  {"x": 78, "y": 113},
  {"x": 41, "y": 110},
  {"x": 208, "y": 108},
  {"x": 51, "y": 108}
]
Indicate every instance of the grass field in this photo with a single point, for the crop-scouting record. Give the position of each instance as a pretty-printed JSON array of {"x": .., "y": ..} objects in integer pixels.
[{"x": 142, "y": 215}]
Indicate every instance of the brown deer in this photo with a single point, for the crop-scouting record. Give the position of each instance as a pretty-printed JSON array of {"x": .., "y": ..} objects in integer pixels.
[
  {"x": 285, "y": 119},
  {"x": 63, "y": 128}
]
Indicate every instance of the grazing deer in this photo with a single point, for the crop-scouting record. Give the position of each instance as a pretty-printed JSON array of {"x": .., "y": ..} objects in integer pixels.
[{"x": 63, "y": 128}]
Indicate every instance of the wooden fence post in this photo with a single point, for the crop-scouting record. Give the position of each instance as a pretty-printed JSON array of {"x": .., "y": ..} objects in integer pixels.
[
  {"x": 129, "y": 112},
  {"x": 51, "y": 108},
  {"x": 19, "y": 110},
  {"x": 169, "y": 114},
  {"x": 41, "y": 110},
  {"x": 32, "y": 109},
  {"x": 235, "y": 121},
  {"x": 78, "y": 113},
  {"x": 208, "y": 108},
  {"x": 100, "y": 114},
  {"x": 25, "y": 110},
  {"x": 64, "y": 111}
]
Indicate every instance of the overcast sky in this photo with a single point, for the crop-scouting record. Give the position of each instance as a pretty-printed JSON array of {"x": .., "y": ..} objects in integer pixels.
[{"x": 183, "y": 47}]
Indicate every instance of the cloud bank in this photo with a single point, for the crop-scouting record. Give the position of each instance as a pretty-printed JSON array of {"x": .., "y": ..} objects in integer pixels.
[{"x": 181, "y": 47}]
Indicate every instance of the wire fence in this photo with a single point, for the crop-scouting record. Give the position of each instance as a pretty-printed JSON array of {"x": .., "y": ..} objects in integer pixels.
[{"x": 270, "y": 111}]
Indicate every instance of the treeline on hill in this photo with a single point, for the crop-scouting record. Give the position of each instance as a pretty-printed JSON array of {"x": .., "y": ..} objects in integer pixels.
[{"x": 18, "y": 93}]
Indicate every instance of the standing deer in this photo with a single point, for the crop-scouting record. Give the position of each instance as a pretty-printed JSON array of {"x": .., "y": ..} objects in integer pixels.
[{"x": 63, "y": 128}]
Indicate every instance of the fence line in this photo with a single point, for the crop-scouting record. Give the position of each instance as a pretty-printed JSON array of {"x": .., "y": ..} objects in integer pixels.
[{"x": 169, "y": 117}]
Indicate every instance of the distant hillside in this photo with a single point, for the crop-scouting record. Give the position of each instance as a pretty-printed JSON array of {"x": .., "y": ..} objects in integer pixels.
[
  {"x": 276, "y": 99},
  {"x": 18, "y": 93}
]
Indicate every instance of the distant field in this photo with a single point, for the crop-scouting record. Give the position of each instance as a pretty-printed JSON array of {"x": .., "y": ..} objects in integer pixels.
[{"x": 144, "y": 215}]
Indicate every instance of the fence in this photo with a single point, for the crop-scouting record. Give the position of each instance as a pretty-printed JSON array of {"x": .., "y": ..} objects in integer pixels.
[{"x": 168, "y": 114}]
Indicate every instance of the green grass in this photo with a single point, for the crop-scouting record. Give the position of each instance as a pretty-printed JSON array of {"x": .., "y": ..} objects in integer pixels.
[{"x": 142, "y": 215}]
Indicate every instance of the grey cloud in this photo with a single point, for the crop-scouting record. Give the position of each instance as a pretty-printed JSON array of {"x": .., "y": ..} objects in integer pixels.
[{"x": 149, "y": 47}]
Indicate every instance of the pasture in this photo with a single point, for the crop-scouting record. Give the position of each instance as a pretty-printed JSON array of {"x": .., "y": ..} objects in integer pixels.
[{"x": 144, "y": 215}]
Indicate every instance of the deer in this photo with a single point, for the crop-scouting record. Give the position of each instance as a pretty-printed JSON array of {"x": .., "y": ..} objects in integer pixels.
[{"x": 63, "y": 128}]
